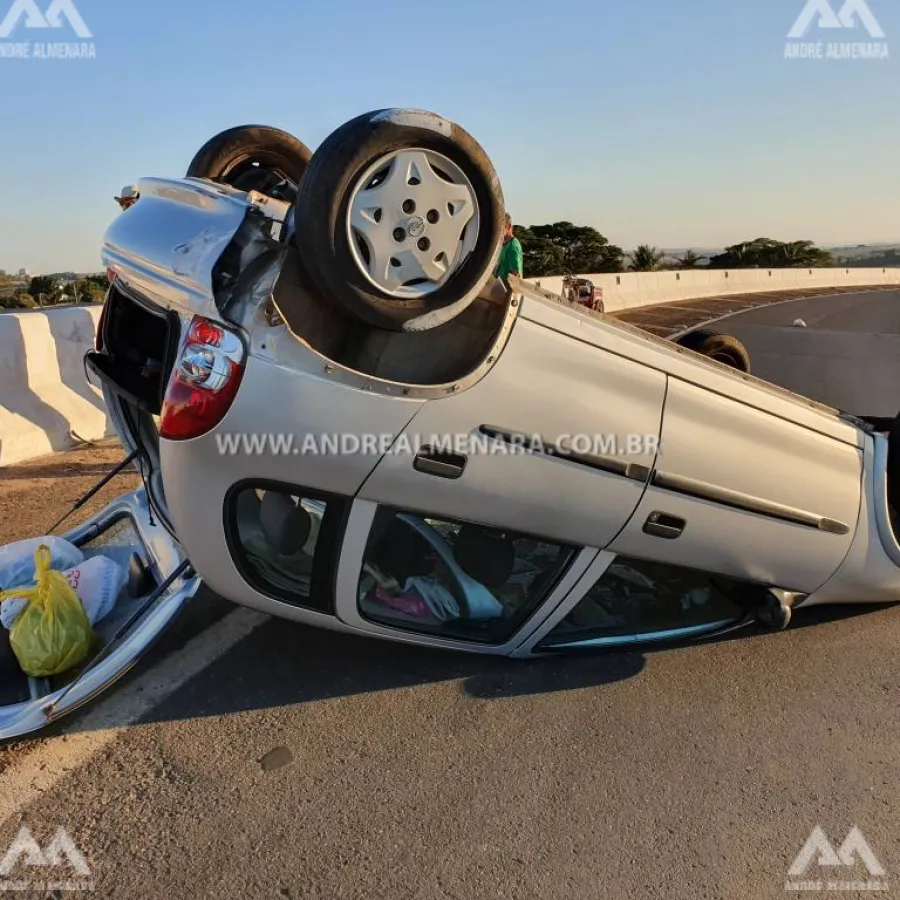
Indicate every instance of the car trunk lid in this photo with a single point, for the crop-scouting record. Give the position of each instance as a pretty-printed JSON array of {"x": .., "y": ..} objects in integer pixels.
[{"x": 161, "y": 582}]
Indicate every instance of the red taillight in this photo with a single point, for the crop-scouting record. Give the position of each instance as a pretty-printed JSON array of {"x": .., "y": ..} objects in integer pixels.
[
  {"x": 204, "y": 382},
  {"x": 205, "y": 332}
]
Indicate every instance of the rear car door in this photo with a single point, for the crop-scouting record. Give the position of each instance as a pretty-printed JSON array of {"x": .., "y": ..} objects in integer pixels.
[{"x": 160, "y": 583}]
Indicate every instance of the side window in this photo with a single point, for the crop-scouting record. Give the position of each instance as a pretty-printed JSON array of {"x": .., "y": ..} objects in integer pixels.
[
  {"x": 454, "y": 579},
  {"x": 284, "y": 542},
  {"x": 636, "y": 597}
]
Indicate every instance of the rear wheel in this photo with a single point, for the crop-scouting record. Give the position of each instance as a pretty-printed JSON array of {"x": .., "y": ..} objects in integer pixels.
[
  {"x": 253, "y": 157},
  {"x": 721, "y": 347},
  {"x": 400, "y": 219}
]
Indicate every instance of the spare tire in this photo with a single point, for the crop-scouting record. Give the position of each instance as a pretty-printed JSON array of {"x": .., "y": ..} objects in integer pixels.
[
  {"x": 722, "y": 347},
  {"x": 252, "y": 157},
  {"x": 400, "y": 219}
]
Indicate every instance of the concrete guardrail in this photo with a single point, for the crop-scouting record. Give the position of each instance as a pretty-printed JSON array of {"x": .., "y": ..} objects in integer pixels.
[
  {"x": 47, "y": 403},
  {"x": 44, "y": 394},
  {"x": 633, "y": 289}
]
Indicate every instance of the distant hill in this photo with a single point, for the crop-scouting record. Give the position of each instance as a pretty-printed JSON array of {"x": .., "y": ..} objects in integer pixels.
[{"x": 864, "y": 255}]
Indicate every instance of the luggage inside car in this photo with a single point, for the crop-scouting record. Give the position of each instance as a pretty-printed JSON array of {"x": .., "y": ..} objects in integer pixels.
[{"x": 152, "y": 581}]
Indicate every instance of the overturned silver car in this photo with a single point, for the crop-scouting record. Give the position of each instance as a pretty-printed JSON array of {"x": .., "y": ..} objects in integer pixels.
[{"x": 345, "y": 419}]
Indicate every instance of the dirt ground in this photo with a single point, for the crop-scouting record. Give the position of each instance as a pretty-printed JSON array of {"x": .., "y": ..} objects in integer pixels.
[{"x": 35, "y": 494}]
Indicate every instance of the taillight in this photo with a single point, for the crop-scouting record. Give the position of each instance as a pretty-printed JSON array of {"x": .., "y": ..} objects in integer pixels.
[{"x": 204, "y": 382}]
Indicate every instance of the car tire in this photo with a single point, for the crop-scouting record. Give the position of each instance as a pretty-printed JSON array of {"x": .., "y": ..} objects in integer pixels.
[
  {"x": 351, "y": 268},
  {"x": 252, "y": 157},
  {"x": 722, "y": 347}
]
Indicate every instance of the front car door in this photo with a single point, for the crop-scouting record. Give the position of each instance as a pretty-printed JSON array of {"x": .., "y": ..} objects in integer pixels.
[
  {"x": 473, "y": 543},
  {"x": 742, "y": 492}
]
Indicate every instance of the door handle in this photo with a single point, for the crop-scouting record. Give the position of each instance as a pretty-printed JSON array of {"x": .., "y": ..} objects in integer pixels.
[
  {"x": 441, "y": 465},
  {"x": 662, "y": 525}
]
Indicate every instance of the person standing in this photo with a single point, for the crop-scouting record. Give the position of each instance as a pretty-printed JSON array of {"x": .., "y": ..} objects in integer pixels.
[
  {"x": 128, "y": 197},
  {"x": 511, "y": 257}
]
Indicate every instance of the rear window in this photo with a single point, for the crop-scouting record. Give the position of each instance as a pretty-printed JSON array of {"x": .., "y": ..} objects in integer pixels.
[{"x": 285, "y": 542}]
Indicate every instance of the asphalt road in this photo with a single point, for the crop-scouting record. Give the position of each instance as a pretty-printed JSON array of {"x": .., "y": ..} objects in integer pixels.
[
  {"x": 877, "y": 313},
  {"x": 306, "y": 764}
]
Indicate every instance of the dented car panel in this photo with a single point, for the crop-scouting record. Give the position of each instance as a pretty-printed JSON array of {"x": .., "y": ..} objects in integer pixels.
[{"x": 168, "y": 247}]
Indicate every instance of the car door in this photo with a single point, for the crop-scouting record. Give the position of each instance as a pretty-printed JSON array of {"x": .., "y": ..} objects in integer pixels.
[
  {"x": 441, "y": 581},
  {"x": 592, "y": 417},
  {"x": 161, "y": 582},
  {"x": 461, "y": 543},
  {"x": 741, "y": 492}
]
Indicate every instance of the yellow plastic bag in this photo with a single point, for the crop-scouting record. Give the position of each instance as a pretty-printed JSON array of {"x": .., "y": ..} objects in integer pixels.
[{"x": 53, "y": 633}]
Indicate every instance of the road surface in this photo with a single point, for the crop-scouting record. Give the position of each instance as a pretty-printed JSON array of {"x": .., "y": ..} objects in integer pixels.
[
  {"x": 295, "y": 763},
  {"x": 872, "y": 312}
]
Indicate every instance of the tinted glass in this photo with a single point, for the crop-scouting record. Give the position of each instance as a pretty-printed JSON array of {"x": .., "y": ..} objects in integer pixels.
[
  {"x": 285, "y": 548},
  {"x": 639, "y": 597},
  {"x": 455, "y": 580}
]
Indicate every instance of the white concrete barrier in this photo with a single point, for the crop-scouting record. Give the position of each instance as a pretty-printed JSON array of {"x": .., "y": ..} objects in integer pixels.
[
  {"x": 632, "y": 289},
  {"x": 44, "y": 394}
]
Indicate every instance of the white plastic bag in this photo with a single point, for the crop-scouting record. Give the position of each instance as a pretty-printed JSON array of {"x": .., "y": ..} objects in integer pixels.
[
  {"x": 97, "y": 582},
  {"x": 17, "y": 567}
]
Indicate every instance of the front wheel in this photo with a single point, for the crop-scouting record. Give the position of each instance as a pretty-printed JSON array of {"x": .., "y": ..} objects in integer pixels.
[{"x": 400, "y": 219}]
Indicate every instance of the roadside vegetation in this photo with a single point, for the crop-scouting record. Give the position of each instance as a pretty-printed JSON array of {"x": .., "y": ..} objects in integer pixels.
[
  {"x": 561, "y": 248},
  {"x": 49, "y": 290},
  {"x": 567, "y": 249}
]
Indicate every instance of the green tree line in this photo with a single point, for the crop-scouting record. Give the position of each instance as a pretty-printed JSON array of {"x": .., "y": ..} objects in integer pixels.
[
  {"x": 567, "y": 249},
  {"x": 44, "y": 290}
]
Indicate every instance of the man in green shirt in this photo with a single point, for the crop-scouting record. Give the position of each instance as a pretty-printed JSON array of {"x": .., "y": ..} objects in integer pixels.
[{"x": 511, "y": 259}]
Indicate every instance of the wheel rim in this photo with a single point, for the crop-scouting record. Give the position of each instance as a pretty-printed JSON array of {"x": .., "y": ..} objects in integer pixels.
[{"x": 412, "y": 221}]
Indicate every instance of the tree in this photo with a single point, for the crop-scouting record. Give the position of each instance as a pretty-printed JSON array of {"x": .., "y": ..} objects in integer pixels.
[
  {"x": 766, "y": 253},
  {"x": 690, "y": 260},
  {"x": 101, "y": 281},
  {"x": 540, "y": 255},
  {"x": 646, "y": 259},
  {"x": 87, "y": 290},
  {"x": 566, "y": 249},
  {"x": 43, "y": 289},
  {"x": 805, "y": 254}
]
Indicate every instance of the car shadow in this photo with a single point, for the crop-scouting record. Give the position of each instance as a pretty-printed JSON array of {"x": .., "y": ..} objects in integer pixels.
[{"x": 284, "y": 664}]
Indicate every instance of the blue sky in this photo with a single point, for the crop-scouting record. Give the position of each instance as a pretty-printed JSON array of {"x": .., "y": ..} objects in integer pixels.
[{"x": 676, "y": 124}]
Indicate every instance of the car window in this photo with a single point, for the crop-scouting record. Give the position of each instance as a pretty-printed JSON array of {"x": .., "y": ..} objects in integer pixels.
[
  {"x": 639, "y": 597},
  {"x": 453, "y": 579},
  {"x": 283, "y": 542}
]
